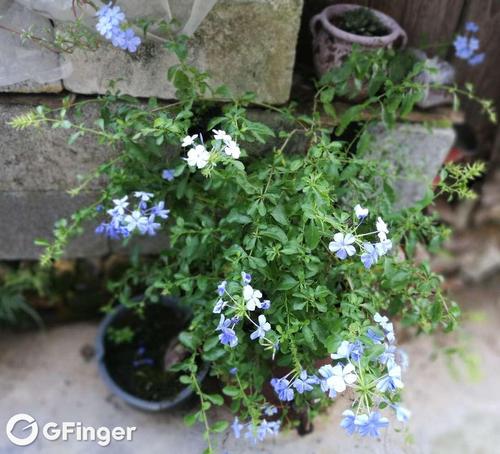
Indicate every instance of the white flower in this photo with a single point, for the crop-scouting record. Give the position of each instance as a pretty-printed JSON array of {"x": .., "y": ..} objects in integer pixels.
[
  {"x": 219, "y": 134},
  {"x": 252, "y": 297},
  {"x": 189, "y": 140},
  {"x": 342, "y": 245},
  {"x": 402, "y": 414},
  {"x": 360, "y": 211},
  {"x": 339, "y": 377},
  {"x": 343, "y": 351},
  {"x": 262, "y": 328},
  {"x": 136, "y": 221},
  {"x": 382, "y": 229},
  {"x": 383, "y": 247},
  {"x": 198, "y": 157},
  {"x": 232, "y": 149}
]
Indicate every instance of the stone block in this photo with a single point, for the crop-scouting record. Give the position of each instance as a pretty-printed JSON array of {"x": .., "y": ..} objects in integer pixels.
[
  {"x": 248, "y": 45},
  {"x": 28, "y": 215},
  {"x": 413, "y": 155},
  {"x": 27, "y": 67},
  {"x": 40, "y": 159}
]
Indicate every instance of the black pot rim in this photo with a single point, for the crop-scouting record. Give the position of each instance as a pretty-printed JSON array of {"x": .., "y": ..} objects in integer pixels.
[{"x": 134, "y": 401}]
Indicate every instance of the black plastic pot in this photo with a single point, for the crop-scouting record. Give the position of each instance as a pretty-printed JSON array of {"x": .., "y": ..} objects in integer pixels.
[{"x": 134, "y": 401}]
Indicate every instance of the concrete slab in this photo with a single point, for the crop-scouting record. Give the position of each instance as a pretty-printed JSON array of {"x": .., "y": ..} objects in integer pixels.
[{"x": 45, "y": 374}]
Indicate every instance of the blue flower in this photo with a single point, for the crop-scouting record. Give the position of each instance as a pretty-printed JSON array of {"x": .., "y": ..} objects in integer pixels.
[
  {"x": 465, "y": 48},
  {"x": 282, "y": 388},
  {"x": 233, "y": 370},
  {"x": 219, "y": 305},
  {"x": 266, "y": 304},
  {"x": 471, "y": 27},
  {"x": 462, "y": 49},
  {"x": 168, "y": 174},
  {"x": 370, "y": 256},
  {"x": 110, "y": 18},
  {"x": 160, "y": 211},
  {"x": 246, "y": 278},
  {"x": 128, "y": 40},
  {"x": 476, "y": 59},
  {"x": 304, "y": 382},
  {"x": 269, "y": 410},
  {"x": 391, "y": 381},
  {"x": 237, "y": 426},
  {"x": 151, "y": 227},
  {"x": 267, "y": 428},
  {"x": 388, "y": 355},
  {"x": 371, "y": 424},
  {"x": 374, "y": 336},
  {"x": 342, "y": 245},
  {"x": 262, "y": 328},
  {"x": 348, "y": 422},
  {"x": 221, "y": 288},
  {"x": 227, "y": 335},
  {"x": 348, "y": 350}
]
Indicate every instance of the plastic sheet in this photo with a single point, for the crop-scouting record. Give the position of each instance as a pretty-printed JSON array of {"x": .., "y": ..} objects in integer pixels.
[{"x": 20, "y": 62}]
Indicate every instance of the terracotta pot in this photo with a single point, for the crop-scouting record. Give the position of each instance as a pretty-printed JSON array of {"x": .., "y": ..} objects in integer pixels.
[{"x": 331, "y": 45}]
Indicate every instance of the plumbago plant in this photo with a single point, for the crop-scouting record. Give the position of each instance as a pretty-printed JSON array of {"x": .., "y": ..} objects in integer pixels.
[{"x": 290, "y": 256}]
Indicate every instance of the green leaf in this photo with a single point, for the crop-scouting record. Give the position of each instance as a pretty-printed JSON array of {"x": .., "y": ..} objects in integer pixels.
[
  {"x": 279, "y": 215},
  {"x": 189, "y": 340},
  {"x": 275, "y": 233},
  {"x": 189, "y": 420},
  {"x": 216, "y": 399},
  {"x": 220, "y": 426},
  {"x": 231, "y": 391},
  {"x": 312, "y": 235}
]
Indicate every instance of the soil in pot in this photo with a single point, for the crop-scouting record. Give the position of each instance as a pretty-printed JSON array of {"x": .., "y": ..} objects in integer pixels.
[
  {"x": 361, "y": 21},
  {"x": 138, "y": 366}
]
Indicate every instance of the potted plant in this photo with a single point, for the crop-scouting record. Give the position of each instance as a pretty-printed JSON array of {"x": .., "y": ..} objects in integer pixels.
[
  {"x": 338, "y": 27},
  {"x": 292, "y": 264},
  {"x": 136, "y": 349}
]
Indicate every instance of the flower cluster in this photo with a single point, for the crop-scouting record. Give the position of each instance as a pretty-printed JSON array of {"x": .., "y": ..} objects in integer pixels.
[
  {"x": 112, "y": 25},
  {"x": 257, "y": 432},
  {"x": 373, "y": 378},
  {"x": 466, "y": 46},
  {"x": 249, "y": 300},
  {"x": 141, "y": 218},
  {"x": 198, "y": 156},
  {"x": 344, "y": 243}
]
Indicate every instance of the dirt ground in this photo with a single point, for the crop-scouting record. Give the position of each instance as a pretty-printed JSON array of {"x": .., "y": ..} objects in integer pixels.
[{"x": 455, "y": 408}]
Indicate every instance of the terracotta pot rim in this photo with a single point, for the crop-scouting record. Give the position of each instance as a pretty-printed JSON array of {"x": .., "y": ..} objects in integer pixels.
[{"x": 370, "y": 41}]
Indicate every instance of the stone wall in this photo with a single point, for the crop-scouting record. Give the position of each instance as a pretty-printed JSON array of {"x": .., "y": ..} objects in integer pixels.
[{"x": 248, "y": 45}]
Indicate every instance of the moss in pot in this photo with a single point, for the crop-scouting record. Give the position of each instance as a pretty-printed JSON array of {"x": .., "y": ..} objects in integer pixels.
[
  {"x": 136, "y": 351},
  {"x": 361, "y": 21}
]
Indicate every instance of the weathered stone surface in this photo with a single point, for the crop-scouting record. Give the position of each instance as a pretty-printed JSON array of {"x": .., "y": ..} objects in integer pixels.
[
  {"x": 25, "y": 66},
  {"x": 489, "y": 207},
  {"x": 249, "y": 45},
  {"x": 28, "y": 215},
  {"x": 40, "y": 159},
  {"x": 414, "y": 155}
]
